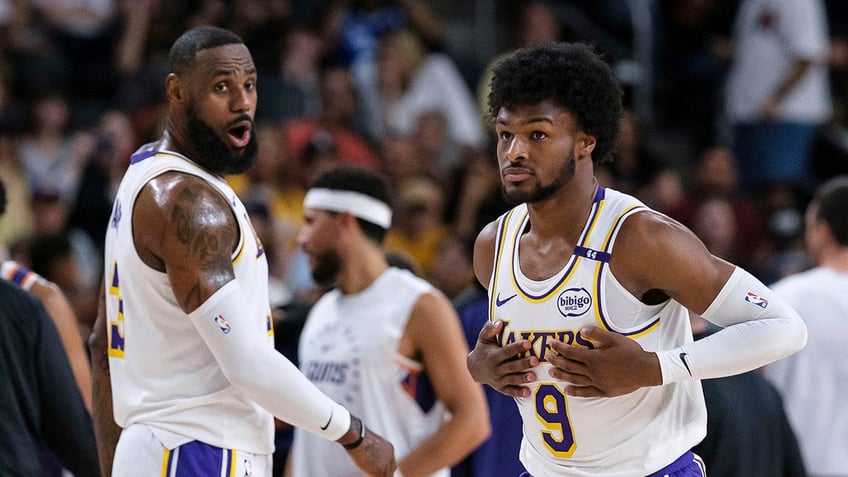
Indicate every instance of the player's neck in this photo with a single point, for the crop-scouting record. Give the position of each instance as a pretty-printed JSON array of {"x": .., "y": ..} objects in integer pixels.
[
  {"x": 361, "y": 269},
  {"x": 171, "y": 141},
  {"x": 837, "y": 260},
  {"x": 565, "y": 214}
]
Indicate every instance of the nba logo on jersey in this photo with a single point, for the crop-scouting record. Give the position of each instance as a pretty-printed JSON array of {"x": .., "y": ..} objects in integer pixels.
[
  {"x": 755, "y": 299},
  {"x": 222, "y": 324}
]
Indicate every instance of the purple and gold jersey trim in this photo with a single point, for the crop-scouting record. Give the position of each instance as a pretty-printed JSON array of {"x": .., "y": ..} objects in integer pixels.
[
  {"x": 578, "y": 254},
  {"x": 142, "y": 155},
  {"x": 602, "y": 265},
  {"x": 499, "y": 244}
]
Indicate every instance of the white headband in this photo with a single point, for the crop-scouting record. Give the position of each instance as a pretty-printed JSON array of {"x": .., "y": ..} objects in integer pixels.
[{"x": 360, "y": 205}]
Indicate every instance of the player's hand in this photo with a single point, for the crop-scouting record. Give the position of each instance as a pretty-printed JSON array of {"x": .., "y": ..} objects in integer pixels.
[
  {"x": 499, "y": 366},
  {"x": 375, "y": 455},
  {"x": 617, "y": 365}
]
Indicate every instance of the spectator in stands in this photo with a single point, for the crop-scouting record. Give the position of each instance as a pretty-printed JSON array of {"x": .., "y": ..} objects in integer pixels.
[{"x": 413, "y": 81}]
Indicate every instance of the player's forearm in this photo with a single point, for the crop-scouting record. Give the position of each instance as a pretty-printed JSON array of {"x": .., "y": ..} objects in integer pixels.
[
  {"x": 759, "y": 328},
  {"x": 65, "y": 319},
  {"x": 260, "y": 372},
  {"x": 106, "y": 431},
  {"x": 453, "y": 441}
]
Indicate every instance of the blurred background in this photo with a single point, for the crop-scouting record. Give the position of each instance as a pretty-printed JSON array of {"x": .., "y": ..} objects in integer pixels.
[{"x": 401, "y": 86}]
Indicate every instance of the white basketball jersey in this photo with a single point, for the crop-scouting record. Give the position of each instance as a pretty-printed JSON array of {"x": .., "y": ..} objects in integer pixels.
[
  {"x": 348, "y": 348},
  {"x": 163, "y": 374},
  {"x": 625, "y": 436}
]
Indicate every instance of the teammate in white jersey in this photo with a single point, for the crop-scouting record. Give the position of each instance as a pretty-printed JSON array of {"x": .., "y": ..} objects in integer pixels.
[
  {"x": 185, "y": 318},
  {"x": 384, "y": 343},
  {"x": 590, "y": 290}
]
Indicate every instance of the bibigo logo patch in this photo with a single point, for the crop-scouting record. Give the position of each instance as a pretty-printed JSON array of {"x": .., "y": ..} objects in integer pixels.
[{"x": 574, "y": 302}]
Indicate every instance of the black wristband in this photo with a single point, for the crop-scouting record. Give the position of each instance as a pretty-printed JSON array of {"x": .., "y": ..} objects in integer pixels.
[{"x": 358, "y": 441}]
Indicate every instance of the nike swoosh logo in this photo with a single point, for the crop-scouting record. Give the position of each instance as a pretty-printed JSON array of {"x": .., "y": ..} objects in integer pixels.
[
  {"x": 325, "y": 426},
  {"x": 683, "y": 358},
  {"x": 499, "y": 302}
]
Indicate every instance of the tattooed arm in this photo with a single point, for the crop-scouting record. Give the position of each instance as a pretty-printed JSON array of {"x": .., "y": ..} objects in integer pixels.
[{"x": 184, "y": 227}]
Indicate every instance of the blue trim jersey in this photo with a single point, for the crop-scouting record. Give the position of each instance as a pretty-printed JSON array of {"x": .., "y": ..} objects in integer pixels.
[
  {"x": 163, "y": 373},
  {"x": 624, "y": 436}
]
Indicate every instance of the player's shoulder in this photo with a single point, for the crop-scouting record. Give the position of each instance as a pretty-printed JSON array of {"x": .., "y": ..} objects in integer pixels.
[
  {"x": 174, "y": 190},
  {"x": 646, "y": 228}
]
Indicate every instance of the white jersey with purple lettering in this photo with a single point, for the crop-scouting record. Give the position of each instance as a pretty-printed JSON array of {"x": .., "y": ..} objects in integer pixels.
[
  {"x": 348, "y": 348},
  {"x": 625, "y": 436},
  {"x": 163, "y": 374}
]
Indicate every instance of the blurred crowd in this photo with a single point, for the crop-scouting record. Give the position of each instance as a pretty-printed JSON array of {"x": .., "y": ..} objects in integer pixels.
[
  {"x": 399, "y": 86},
  {"x": 385, "y": 84}
]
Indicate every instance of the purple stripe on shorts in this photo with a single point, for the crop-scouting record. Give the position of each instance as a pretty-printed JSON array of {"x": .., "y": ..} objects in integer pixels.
[
  {"x": 197, "y": 459},
  {"x": 229, "y": 462},
  {"x": 681, "y": 463},
  {"x": 685, "y": 463},
  {"x": 170, "y": 463}
]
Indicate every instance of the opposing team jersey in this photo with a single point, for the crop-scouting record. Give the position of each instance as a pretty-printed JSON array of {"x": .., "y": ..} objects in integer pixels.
[
  {"x": 624, "y": 436},
  {"x": 348, "y": 348},
  {"x": 163, "y": 374}
]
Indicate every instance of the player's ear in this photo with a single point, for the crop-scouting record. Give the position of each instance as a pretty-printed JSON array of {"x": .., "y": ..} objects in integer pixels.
[
  {"x": 584, "y": 144},
  {"x": 348, "y": 220},
  {"x": 175, "y": 88}
]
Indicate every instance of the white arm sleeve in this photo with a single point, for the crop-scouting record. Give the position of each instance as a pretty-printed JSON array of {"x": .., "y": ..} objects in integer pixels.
[
  {"x": 758, "y": 328},
  {"x": 259, "y": 371}
]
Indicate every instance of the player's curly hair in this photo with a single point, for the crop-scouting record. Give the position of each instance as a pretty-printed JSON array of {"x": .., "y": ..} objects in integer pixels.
[
  {"x": 183, "y": 52},
  {"x": 571, "y": 75},
  {"x": 364, "y": 180}
]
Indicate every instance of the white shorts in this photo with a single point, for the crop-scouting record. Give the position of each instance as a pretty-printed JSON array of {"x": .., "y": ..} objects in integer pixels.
[{"x": 140, "y": 453}]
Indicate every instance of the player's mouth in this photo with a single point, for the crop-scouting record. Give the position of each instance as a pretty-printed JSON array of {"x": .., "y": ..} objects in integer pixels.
[
  {"x": 515, "y": 174},
  {"x": 239, "y": 134}
]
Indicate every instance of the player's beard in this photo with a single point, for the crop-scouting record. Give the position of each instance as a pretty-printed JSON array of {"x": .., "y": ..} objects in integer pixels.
[
  {"x": 515, "y": 196},
  {"x": 327, "y": 267},
  {"x": 212, "y": 152}
]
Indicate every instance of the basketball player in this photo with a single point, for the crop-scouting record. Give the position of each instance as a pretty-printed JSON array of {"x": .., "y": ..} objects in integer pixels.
[
  {"x": 384, "y": 342},
  {"x": 590, "y": 289},
  {"x": 195, "y": 378},
  {"x": 814, "y": 382}
]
